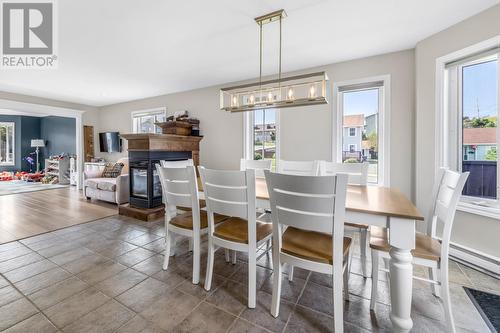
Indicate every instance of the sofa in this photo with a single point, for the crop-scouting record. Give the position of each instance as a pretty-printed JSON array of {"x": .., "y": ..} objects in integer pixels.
[{"x": 115, "y": 190}]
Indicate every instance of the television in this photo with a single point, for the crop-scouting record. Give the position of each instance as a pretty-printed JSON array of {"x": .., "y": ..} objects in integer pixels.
[{"x": 110, "y": 142}]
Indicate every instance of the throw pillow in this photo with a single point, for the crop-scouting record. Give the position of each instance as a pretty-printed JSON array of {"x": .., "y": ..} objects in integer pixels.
[{"x": 112, "y": 170}]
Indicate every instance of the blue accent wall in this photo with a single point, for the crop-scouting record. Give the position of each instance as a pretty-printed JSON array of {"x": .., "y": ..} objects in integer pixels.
[{"x": 59, "y": 134}]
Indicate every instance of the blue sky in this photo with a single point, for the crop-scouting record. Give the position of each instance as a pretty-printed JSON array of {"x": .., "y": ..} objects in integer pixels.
[
  {"x": 361, "y": 102},
  {"x": 479, "y": 89}
]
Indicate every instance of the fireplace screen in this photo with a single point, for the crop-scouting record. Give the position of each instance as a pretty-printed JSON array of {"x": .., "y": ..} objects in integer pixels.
[{"x": 140, "y": 182}]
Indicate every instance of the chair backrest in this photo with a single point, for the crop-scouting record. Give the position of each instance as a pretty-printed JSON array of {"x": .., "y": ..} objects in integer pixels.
[
  {"x": 446, "y": 194},
  {"x": 230, "y": 193},
  {"x": 315, "y": 203},
  {"x": 176, "y": 164},
  {"x": 358, "y": 172},
  {"x": 299, "y": 168},
  {"x": 258, "y": 165},
  {"x": 180, "y": 187}
]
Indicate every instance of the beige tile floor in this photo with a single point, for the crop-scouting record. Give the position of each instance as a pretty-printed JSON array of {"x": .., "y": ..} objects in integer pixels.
[{"x": 106, "y": 276}]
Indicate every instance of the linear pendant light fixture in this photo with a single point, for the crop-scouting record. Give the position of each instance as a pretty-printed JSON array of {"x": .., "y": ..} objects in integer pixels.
[{"x": 300, "y": 90}]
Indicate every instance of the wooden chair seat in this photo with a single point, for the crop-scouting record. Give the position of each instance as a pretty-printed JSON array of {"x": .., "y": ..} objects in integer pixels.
[
  {"x": 311, "y": 245},
  {"x": 185, "y": 220},
  {"x": 426, "y": 247},
  {"x": 236, "y": 230},
  {"x": 356, "y": 225},
  {"x": 203, "y": 204}
]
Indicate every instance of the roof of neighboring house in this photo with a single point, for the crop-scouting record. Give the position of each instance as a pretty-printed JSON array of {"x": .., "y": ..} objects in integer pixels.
[
  {"x": 475, "y": 136},
  {"x": 354, "y": 120}
]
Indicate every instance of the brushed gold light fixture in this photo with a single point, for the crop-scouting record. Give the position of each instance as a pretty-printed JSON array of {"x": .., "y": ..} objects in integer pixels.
[{"x": 299, "y": 90}]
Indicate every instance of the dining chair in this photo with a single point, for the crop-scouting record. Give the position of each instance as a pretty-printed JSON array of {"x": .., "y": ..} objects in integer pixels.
[
  {"x": 429, "y": 251},
  {"x": 300, "y": 168},
  {"x": 258, "y": 165},
  {"x": 358, "y": 175},
  {"x": 232, "y": 193},
  {"x": 308, "y": 231},
  {"x": 180, "y": 188},
  {"x": 176, "y": 164}
]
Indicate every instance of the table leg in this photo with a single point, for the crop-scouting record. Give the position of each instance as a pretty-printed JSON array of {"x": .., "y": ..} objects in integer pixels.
[{"x": 402, "y": 241}]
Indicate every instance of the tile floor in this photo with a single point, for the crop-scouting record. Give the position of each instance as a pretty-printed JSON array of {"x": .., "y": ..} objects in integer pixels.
[{"x": 106, "y": 276}]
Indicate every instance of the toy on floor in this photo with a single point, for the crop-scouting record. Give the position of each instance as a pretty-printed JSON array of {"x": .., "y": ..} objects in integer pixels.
[{"x": 6, "y": 176}]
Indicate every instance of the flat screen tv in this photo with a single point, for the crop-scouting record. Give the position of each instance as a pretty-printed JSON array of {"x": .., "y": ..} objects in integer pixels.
[{"x": 110, "y": 142}]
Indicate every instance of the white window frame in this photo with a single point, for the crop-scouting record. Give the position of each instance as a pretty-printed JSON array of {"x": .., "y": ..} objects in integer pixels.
[
  {"x": 352, "y": 135},
  {"x": 448, "y": 136},
  {"x": 13, "y": 143},
  {"x": 248, "y": 120},
  {"x": 384, "y": 120},
  {"x": 143, "y": 113}
]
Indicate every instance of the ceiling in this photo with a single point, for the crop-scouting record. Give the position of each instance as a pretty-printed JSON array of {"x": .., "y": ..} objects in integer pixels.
[{"x": 120, "y": 50}]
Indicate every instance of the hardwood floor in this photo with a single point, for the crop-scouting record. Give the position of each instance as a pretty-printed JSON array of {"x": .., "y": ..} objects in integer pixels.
[{"x": 28, "y": 214}]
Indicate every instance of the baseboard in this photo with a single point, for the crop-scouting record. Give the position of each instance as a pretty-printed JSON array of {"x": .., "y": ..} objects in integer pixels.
[{"x": 481, "y": 261}]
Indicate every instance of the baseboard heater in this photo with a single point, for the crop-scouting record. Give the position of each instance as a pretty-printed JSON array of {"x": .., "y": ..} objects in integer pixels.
[{"x": 480, "y": 261}]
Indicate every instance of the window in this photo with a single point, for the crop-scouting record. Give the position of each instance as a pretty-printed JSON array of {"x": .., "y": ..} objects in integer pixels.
[
  {"x": 472, "y": 95},
  {"x": 262, "y": 135},
  {"x": 144, "y": 121},
  {"x": 7, "y": 144},
  {"x": 360, "y": 126}
]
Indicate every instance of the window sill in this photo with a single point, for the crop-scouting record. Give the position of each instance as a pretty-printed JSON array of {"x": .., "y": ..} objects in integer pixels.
[{"x": 478, "y": 209}]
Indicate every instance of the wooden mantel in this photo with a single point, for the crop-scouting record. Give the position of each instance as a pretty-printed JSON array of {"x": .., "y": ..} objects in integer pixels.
[{"x": 164, "y": 142}]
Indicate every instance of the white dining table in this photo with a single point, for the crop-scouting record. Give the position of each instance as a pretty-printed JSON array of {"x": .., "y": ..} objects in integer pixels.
[{"x": 383, "y": 207}]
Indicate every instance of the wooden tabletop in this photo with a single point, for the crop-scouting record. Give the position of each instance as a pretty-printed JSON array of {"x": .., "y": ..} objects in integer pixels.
[{"x": 364, "y": 199}]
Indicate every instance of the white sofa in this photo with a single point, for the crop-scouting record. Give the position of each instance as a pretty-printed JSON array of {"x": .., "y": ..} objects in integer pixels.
[{"x": 114, "y": 190}]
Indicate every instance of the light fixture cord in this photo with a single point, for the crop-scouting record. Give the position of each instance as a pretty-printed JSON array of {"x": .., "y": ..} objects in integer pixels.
[
  {"x": 279, "y": 75},
  {"x": 260, "y": 60}
]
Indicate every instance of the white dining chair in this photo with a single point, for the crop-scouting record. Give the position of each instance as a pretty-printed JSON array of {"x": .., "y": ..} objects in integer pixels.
[
  {"x": 180, "y": 188},
  {"x": 232, "y": 193},
  {"x": 176, "y": 164},
  {"x": 308, "y": 231},
  {"x": 358, "y": 175},
  {"x": 300, "y": 168},
  {"x": 258, "y": 165},
  {"x": 429, "y": 251}
]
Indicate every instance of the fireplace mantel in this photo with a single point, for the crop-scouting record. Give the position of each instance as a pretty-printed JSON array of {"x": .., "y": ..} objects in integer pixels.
[{"x": 164, "y": 142}]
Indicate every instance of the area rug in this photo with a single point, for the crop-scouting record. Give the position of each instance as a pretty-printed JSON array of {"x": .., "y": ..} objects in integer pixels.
[
  {"x": 488, "y": 306},
  {"x": 20, "y": 186}
]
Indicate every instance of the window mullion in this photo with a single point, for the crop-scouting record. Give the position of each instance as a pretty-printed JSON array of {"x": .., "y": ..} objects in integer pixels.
[{"x": 498, "y": 127}]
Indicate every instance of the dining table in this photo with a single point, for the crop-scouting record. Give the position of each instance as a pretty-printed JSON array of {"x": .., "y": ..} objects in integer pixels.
[{"x": 385, "y": 207}]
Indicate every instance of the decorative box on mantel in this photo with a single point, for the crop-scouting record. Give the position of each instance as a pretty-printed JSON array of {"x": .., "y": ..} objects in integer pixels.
[{"x": 145, "y": 150}]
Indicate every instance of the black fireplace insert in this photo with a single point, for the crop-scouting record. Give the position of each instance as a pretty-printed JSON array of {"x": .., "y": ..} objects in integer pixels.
[{"x": 145, "y": 186}]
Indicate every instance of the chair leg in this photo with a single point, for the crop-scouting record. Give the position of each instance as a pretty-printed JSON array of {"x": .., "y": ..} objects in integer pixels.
[
  {"x": 373, "y": 300},
  {"x": 252, "y": 277},
  {"x": 290, "y": 273},
  {"x": 196, "y": 260},
  {"x": 363, "y": 248},
  {"x": 226, "y": 253},
  {"x": 346, "y": 281},
  {"x": 190, "y": 245},
  {"x": 168, "y": 242},
  {"x": 269, "y": 253},
  {"x": 387, "y": 274},
  {"x": 338, "y": 302},
  {"x": 445, "y": 291},
  {"x": 275, "y": 305},
  {"x": 235, "y": 254},
  {"x": 210, "y": 265},
  {"x": 433, "y": 275}
]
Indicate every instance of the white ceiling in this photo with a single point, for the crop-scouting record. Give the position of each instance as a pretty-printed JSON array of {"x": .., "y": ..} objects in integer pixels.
[{"x": 119, "y": 50}]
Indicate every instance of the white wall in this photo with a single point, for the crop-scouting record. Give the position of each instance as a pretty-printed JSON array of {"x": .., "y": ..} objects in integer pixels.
[
  {"x": 469, "y": 230},
  {"x": 306, "y": 133}
]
